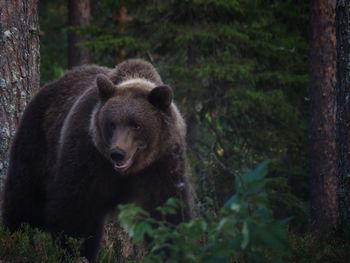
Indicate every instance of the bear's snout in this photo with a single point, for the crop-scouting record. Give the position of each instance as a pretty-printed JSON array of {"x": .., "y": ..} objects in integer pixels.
[
  {"x": 122, "y": 160},
  {"x": 117, "y": 155}
]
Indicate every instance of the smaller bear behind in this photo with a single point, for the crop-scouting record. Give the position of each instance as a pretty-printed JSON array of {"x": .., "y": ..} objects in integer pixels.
[
  {"x": 91, "y": 140},
  {"x": 135, "y": 69}
]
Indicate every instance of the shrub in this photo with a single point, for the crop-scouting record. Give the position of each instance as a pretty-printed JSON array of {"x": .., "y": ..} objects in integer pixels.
[{"x": 243, "y": 231}]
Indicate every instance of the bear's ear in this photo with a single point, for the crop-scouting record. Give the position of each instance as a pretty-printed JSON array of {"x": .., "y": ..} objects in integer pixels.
[
  {"x": 161, "y": 97},
  {"x": 105, "y": 87}
]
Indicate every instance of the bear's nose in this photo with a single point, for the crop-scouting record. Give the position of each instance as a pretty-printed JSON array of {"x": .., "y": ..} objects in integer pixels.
[{"x": 117, "y": 155}]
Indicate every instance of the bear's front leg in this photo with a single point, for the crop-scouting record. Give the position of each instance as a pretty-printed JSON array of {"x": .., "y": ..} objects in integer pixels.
[{"x": 72, "y": 211}]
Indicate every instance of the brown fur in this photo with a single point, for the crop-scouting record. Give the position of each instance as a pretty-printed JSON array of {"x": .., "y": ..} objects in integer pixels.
[
  {"x": 133, "y": 69},
  {"x": 63, "y": 176}
]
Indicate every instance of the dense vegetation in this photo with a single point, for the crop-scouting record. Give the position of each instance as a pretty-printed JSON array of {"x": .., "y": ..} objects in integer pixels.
[
  {"x": 242, "y": 231},
  {"x": 240, "y": 73}
]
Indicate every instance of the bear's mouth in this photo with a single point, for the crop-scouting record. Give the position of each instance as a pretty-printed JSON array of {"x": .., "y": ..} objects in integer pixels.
[{"x": 123, "y": 165}]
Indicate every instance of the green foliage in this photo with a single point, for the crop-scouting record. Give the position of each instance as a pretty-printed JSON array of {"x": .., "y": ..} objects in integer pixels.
[
  {"x": 31, "y": 245},
  {"x": 243, "y": 231},
  {"x": 53, "y": 39}
]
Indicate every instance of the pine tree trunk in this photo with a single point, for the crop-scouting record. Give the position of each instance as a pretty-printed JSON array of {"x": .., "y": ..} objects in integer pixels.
[
  {"x": 79, "y": 17},
  {"x": 343, "y": 112},
  {"x": 19, "y": 68},
  {"x": 121, "y": 20},
  {"x": 323, "y": 163}
]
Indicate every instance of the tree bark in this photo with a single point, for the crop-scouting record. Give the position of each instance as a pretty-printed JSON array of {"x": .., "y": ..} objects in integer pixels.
[
  {"x": 323, "y": 163},
  {"x": 343, "y": 112},
  {"x": 79, "y": 17},
  {"x": 19, "y": 68},
  {"x": 121, "y": 20}
]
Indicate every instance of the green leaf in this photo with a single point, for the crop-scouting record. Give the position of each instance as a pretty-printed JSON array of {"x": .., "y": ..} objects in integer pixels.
[
  {"x": 245, "y": 234},
  {"x": 141, "y": 230}
]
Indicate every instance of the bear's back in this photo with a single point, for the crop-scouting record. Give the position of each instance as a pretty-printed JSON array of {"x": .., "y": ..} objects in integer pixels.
[
  {"x": 63, "y": 92},
  {"x": 56, "y": 99}
]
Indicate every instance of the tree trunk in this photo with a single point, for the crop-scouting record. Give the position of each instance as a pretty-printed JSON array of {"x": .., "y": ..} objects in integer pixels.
[
  {"x": 19, "y": 68},
  {"x": 79, "y": 17},
  {"x": 323, "y": 163},
  {"x": 121, "y": 20},
  {"x": 343, "y": 112}
]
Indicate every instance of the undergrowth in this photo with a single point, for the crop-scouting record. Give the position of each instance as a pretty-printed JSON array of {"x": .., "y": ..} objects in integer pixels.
[{"x": 243, "y": 231}]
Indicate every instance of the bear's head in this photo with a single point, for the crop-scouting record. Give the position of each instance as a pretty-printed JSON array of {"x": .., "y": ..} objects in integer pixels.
[{"x": 134, "y": 123}]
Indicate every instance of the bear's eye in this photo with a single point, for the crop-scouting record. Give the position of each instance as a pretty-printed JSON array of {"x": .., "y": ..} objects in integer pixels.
[{"x": 136, "y": 126}]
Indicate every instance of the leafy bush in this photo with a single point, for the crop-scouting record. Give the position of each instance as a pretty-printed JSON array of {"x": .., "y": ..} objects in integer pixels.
[{"x": 243, "y": 231}]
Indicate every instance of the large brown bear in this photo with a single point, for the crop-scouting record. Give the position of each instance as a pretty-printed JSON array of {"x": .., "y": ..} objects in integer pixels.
[{"x": 93, "y": 139}]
